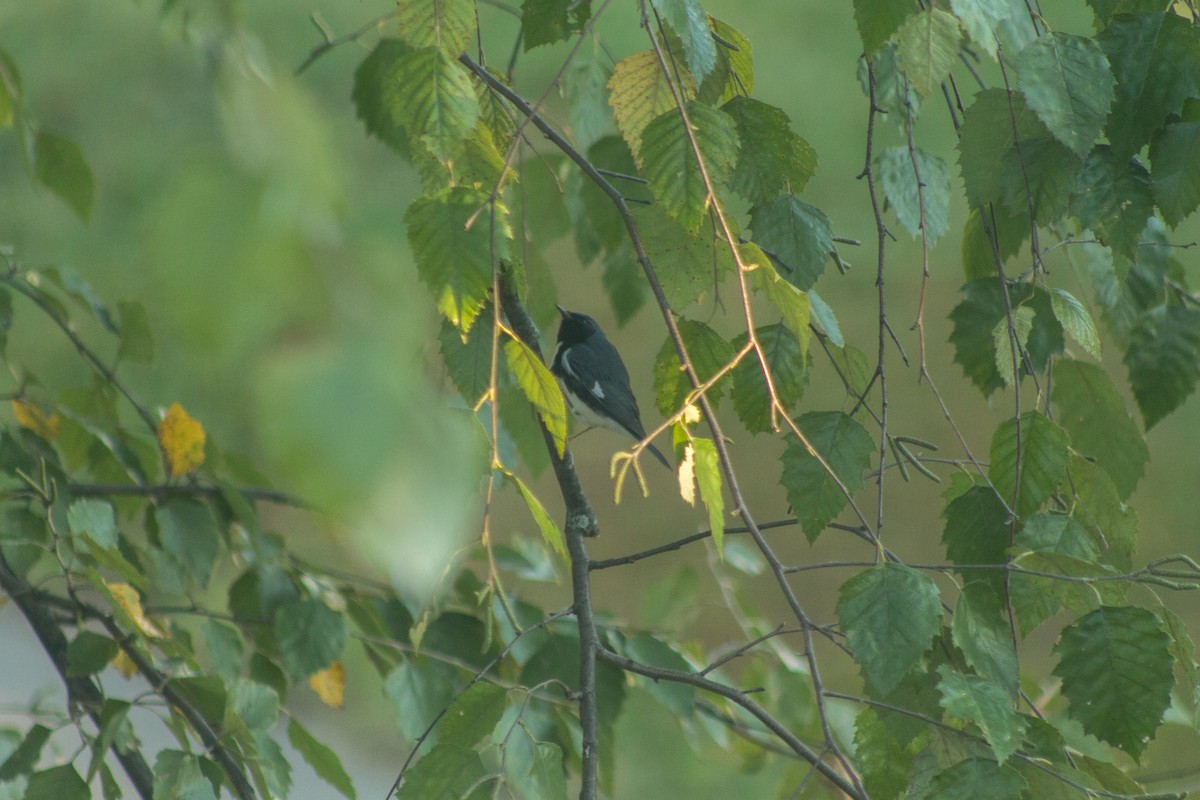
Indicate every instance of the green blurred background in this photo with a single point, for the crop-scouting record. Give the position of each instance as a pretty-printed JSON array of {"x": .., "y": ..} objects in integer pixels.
[{"x": 247, "y": 209}]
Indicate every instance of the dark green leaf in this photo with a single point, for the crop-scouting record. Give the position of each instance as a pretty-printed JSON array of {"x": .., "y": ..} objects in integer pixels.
[
  {"x": 310, "y": 636},
  {"x": 374, "y": 93},
  {"x": 324, "y": 761},
  {"x": 1156, "y": 60},
  {"x": 1116, "y": 668},
  {"x": 890, "y": 614},
  {"x": 431, "y": 96},
  {"x": 1066, "y": 80},
  {"x": 1056, "y": 533},
  {"x": 1098, "y": 507},
  {"x": 985, "y": 703},
  {"x": 987, "y": 135},
  {"x": 1041, "y": 168},
  {"x": 924, "y": 204},
  {"x": 980, "y": 629},
  {"x": 688, "y": 20},
  {"x": 996, "y": 222},
  {"x": 689, "y": 265},
  {"x": 882, "y": 761},
  {"x": 1112, "y": 197},
  {"x": 1175, "y": 177},
  {"x": 879, "y": 19},
  {"x": 927, "y": 44},
  {"x": 845, "y": 447},
  {"x": 669, "y": 160},
  {"x": 708, "y": 353},
  {"x": 978, "y": 779},
  {"x": 94, "y": 518},
  {"x": 206, "y": 694},
  {"x": 225, "y": 648},
  {"x": 137, "y": 340},
  {"x": 60, "y": 166},
  {"x": 1164, "y": 360},
  {"x": 89, "y": 652},
  {"x": 22, "y": 760},
  {"x": 549, "y": 21},
  {"x": 796, "y": 233},
  {"x": 733, "y": 75},
  {"x": 785, "y": 359},
  {"x": 975, "y": 320},
  {"x": 1093, "y": 413},
  {"x": 1028, "y": 460},
  {"x": 188, "y": 532},
  {"x": 772, "y": 159},
  {"x": 418, "y": 689},
  {"x": 558, "y": 659},
  {"x": 992, "y": 24},
  {"x": 64, "y": 783},
  {"x": 455, "y": 243},
  {"x": 472, "y": 715},
  {"x": 446, "y": 772},
  {"x": 468, "y": 363},
  {"x": 680, "y": 698},
  {"x": 977, "y": 532},
  {"x": 446, "y": 24}
]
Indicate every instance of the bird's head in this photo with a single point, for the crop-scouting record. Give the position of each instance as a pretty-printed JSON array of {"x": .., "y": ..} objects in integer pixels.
[{"x": 575, "y": 327}]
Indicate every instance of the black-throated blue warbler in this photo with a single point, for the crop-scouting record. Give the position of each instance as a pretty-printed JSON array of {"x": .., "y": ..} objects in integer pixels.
[{"x": 594, "y": 379}]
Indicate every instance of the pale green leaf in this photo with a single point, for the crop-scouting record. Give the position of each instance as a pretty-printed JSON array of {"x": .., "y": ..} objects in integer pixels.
[
  {"x": 985, "y": 703},
  {"x": 540, "y": 387},
  {"x": 928, "y": 44},
  {"x": 1010, "y": 355},
  {"x": 1076, "y": 320},
  {"x": 550, "y": 532},
  {"x": 795, "y": 307},
  {"x": 923, "y": 204},
  {"x": 708, "y": 477},
  {"x": 980, "y": 629},
  {"x": 448, "y": 25},
  {"x": 640, "y": 92},
  {"x": 95, "y": 518},
  {"x": 432, "y": 97},
  {"x": 688, "y": 20},
  {"x": 472, "y": 715},
  {"x": 323, "y": 760}
]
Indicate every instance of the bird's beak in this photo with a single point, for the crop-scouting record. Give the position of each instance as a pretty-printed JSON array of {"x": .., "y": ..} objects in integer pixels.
[{"x": 562, "y": 311}]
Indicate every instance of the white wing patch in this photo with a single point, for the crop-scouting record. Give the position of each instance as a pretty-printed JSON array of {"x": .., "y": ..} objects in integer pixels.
[{"x": 596, "y": 390}]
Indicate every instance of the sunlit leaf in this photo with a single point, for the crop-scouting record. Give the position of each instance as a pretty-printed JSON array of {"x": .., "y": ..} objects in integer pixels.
[{"x": 182, "y": 439}]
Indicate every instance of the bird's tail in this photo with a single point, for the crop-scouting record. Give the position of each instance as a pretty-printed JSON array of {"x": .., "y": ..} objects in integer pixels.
[{"x": 659, "y": 456}]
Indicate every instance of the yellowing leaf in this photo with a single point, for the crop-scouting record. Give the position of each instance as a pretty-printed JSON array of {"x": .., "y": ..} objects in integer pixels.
[
  {"x": 127, "y": 598},
  {"x": 330, "y": 684},
  {"x": 182, "y": 440},
  {"x": 33, "y": 418},
  {"x": 687, "y": 475},
  {"x": 124, "y": 664}
]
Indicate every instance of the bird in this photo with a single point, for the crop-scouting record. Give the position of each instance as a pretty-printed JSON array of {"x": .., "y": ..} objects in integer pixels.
[{"x": 594, "y": 380}]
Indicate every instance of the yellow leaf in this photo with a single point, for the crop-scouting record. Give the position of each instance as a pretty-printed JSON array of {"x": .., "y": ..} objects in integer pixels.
[
  {"x": 182, "y": 440},
  {"x": 330, "y": 684},
  {"x": 127, "y": 598},
  {"x": 30, "y": 416},
  {"x": 124, "y": 664}
]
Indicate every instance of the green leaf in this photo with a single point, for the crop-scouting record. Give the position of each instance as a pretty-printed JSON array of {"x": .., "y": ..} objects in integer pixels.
[
  {"x": 95, "y": 518},
  {"x": 22, "y": 760},
  {"x": 882, "y": 761},
  {"x": 374, "y": 95},
  {"x": 418, "y": 689},
  {"x": 448, "y": 25},
  {"x": 549, "y": 21},
  {"x": 446, "y": 772},
  {"x": 878, "y": 19},
  {"x": 893, "y": 93},
  {"x": 708, "y": 477},
  {"x": 1156, "y": 61},
  {"x": 1067, "y": 82},
  {"x": 689, "y": 264},
  {"x": 1175, "y": 173},
  {"x": 978, "y": 779},
  {"x": 224, "y": 646},
  {"x": 1043, "y": 169},
  {"x": 88, "y": 653},
  {"x": 323, "y": 760},
  {"x": 977, "y": 532},
  {"x": 206, "y": 694},
  {"x": 472, "y": 715},
  {"x": 1056, "y": 533},
  {"x": 310, "y": 635},
  {"x": 824, "y": 318},
  {"x": 1076, "y": 320},
  {"x": 785, "y": 359},
  {"x": 188, "y": 532},
  {"x": 255, "y": 704},
  {"x": 669, "y": 160},
  {"x": 986, "y": 137},
  {"x": 1164, "y": 360},
  {"x": 796, "y": 233},
  {"x": 180, "y": 776},
  {"x": 924, "y": 204},
  {"x": 1117, "y": 673},
  {"x": 550, "y": 532},
  {"x": 890, "y": 615},
  {"x": 558, "y": 659},
  {"x": 60, "y": 166},
  {"x": 795, "y": 307},
  {"x": 1112, "y": 197},
  {"x": 845, "y": 447},
  {"x": 137, "y": 339},
  {"x": 540, "y": 388},
  {"x": 988, "y": 705},
  {"x": 469, "y": 362},
  {"x": 927, "y": 44},
  {"x": 976, "y": 317},
  {"x": 980, "y": 629},
  {"x": 1093, "y": 413},
  {"x": 1098, "y": 507},
  {"x": 679, "y": 698},
  {"x": 1037, "y": 597},
  {"x": 1009, "y": 229},
  {"x": 64, "y": 783},
  {"x": 688, "y": 20},
  {"x": 733, "y": 75},
  {"x": 708, "y": 353},
  {"x": 772, "y": 158},
  {"x": 1183, "y": 651},
  {"x": 585, "y": 85},
  {"x": 640, "y": 92},
  {"x": 1028, "y": 460},
  {"x": 431, "y": 95},
  {"x": 454, "y": 244},
  {"x": 670, "y": 600},
  {"x": 1009, "y": 356},
  {"x": 993, "y": 23}
]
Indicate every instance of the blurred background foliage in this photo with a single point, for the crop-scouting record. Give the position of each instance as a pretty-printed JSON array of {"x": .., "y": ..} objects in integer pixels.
[{"x": 261, "y": 228}]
